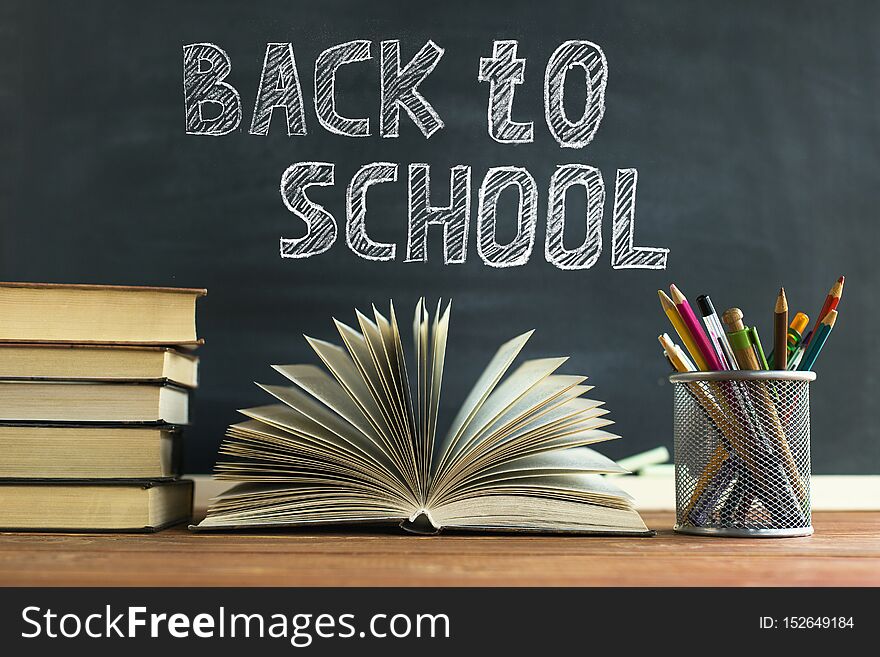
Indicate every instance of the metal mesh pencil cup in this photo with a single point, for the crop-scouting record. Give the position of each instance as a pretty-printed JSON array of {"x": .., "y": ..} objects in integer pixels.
[{"x": 742, "y": 453}]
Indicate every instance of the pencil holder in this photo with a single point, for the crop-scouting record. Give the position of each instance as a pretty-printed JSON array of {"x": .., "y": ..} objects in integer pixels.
[{"x": 742, "y": 453}]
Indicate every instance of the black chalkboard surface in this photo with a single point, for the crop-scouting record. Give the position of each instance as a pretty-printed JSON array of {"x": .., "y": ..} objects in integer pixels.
[{"x": 753, "y": 126}]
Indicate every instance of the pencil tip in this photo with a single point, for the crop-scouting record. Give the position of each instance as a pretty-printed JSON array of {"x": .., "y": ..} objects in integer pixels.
[
  {"x": 677, "y": 296},
  {"x": 781, "y": 302}
]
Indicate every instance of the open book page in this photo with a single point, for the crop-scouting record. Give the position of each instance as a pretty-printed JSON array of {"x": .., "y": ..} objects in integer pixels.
[
  {"x": 484, "y": 386},
  {"x": 574, "y": 502},
  {"x": 526, "y": 377},
  {"x": 335, "y": 437},
  {"x": 381, "y": 362},
  {"x": 267, "y": 454},
  {"x": 578, "y": 460},
  {"x": 543, "y": 397},
  {"x": 362, "y": 357},
  {"x": 267, "y": 432},
  {"x": 301, "y": 414},
  {"x": 340, "y": 365},
  {"x": 530, "y": 431},
  {"x": 394, "y": 342},
  {"x": 575, "y": 435},
  {"x": 383, "y": 351},
  {"x": 309, "y": 503},
  {"x": 393, "y": 352},
  {"x": 420, "y": 348},
  {"x": 435, "y": 380},
  {"x": 326, "y": 390}
]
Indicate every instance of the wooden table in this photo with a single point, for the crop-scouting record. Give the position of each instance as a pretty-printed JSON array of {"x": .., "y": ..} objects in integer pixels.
[{"x": 844, "y": 551}]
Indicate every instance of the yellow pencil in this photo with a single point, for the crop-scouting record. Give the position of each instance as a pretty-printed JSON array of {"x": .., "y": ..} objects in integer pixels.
[
  {"x": 677, "y": 357},
  {"x": 681, "y": 363},
  {"x": 685, "y": 335}
]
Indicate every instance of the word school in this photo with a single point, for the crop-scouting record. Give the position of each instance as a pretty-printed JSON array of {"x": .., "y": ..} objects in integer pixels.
[{"x": 213, "y": 107}]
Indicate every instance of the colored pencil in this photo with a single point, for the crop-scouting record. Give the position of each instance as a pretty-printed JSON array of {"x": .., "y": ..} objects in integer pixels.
[
  {"x": 820, "y": 337},
  {"x": 696, "y": 331},
  {"x": 780, "y": 331},
  {"x": 831, "y": 302},
  {"x": 680, "y": 328},
  {"x": 676, "y": 356}
]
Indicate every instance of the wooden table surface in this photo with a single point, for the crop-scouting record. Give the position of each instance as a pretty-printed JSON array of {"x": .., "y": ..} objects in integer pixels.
[{"x": 844, "y": 551}]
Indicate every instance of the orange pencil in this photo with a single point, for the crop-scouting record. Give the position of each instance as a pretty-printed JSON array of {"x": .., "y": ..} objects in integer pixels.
[{"x": 831, "y": 302}]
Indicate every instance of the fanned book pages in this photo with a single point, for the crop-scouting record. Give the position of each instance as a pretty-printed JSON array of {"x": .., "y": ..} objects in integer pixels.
[{"x": 359, "y": 443}]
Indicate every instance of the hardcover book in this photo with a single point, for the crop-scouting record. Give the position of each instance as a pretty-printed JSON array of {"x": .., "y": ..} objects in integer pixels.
[
  {"x": 79, "y": 401},
  {"x": 84, "y": 451},
  {"x": 93, "y": 362},
  {"x": 100, "y": 314},
  {"x": 140, "y": 506},
  {"x": 358, "y": 442}
]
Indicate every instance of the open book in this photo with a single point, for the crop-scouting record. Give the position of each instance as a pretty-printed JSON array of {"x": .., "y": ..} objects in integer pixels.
[{"x": 359, "y": 443}]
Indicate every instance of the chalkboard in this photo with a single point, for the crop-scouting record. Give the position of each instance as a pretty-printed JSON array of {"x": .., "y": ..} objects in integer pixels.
[{"x": 753, "y": 127}]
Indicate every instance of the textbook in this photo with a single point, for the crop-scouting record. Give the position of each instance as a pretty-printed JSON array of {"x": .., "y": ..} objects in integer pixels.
[
  {"x": 78, "y": 401},
  {"x": 103, "y": 314},
  {"x": 84, "y": 362},
  {"x": 142, "y": 506},
  {"x": 46, "y": 451},
  {"x": 359, "y": 443}
]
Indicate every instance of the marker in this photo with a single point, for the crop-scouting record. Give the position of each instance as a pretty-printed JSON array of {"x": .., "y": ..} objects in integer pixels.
[
  {"x": 820, "y": 337},
  {"x": 831, "y": 302},
  {"x": 716, "y": 332},
  {"x": 677, "y": 323},
  {"x": 780, "y": 331},
  {"x": 696, "y": 331},
  {"x": 741, "y": 340},
  {"x": 796, "y": 332}
]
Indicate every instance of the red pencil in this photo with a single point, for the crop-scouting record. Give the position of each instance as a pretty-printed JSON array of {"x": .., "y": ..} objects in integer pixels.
[
  {"x": 694, "y": 328},
  {"x": 831, "y": 302}
]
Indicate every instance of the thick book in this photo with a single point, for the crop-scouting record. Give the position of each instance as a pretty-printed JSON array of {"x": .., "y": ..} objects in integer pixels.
[
  {"x": 103, "y": 314},
  {"x": 359, "y": 443},
  {"x": 79, "y": 401},
  {"x": 135, "y": 506},
  {"x": 45, "y": 451},
  {"x": 84, "y": 362}
]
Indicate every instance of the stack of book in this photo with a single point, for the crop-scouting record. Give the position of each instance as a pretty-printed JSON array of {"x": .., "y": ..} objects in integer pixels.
[{"x": 94, "y": 392}]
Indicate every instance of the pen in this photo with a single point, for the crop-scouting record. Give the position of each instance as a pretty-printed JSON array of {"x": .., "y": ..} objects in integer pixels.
[
  {"x": 716, "y": 332},
  {"x": 741, "y": 340}
]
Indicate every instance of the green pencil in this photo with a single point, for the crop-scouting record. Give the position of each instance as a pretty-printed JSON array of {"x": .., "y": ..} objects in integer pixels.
[{"x": 818, "y": 341}]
